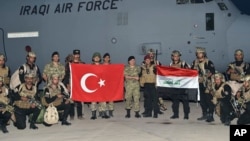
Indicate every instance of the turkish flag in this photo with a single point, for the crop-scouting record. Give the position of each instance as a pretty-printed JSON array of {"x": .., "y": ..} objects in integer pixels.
[{"x": 97, "y": 83}]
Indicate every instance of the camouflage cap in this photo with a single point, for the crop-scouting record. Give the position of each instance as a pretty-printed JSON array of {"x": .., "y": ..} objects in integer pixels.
[
  {"x": 1, "y": 79},
  {"x": 200, "y": 50},
  {"x": 31, "y": 54},
  {"x": 176, "y": 52},
  {"x": 96, "y": 54},
  {"x": 29, "y": 75},
  {"x": 238, "y": 51}
]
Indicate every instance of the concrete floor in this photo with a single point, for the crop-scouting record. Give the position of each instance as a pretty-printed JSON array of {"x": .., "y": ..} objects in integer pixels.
[{"x": 119, "y": 128}]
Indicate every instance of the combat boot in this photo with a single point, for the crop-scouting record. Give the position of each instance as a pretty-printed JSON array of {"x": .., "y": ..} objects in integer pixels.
[
  {"x": 175, "y": 116},
  {"x": 93, "y": 115},
  {"x": 3, "y": 128},
  {"x": 128, "y": 113},
  {"x": 148, "y": 114},
  {"x": 203, "y": 117},
  {"x": 105, "y": 115},
  {"x": 210, "y": 118},
  {"x": 32, "y": 125},
  {"x": 65, "y": 122},
  {"x": 186, "y": 116},
  {"x": 111, "y": 113},
  {"x": 137, "y": 115}
]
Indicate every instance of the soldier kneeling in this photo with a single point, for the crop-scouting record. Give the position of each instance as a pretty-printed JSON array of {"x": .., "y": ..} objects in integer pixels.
[{"x": 57, "y": 95}]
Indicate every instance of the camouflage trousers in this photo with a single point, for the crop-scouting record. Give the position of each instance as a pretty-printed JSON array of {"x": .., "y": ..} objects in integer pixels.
[
  {"x": 132, "y": 96},
  {"x": 102, "y": 106}
]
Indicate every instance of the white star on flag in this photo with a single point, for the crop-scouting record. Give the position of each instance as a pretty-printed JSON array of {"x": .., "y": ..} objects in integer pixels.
[{"x": 101, "y": 83}]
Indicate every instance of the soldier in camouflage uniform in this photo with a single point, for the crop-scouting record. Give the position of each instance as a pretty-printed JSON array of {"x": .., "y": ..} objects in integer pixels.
[
  {"x": 6, "y": 110},
  {"x": 75, "y": 58},
  {"x": 25, "y": 104},
  {"x": 243, "y": 97},
  {"x": 177, "y": 94},
  {"x": 222, "y": 94},
  {"x": 110, "y": 104},
  {"x": 30, "y": 67},
  {"x": 132, "y": 87},
  {"x": 57, "y": 95},
  {"x": 237, "y": 69},
  {"x": 55, "y": 67},
  {"x": 154, "y": 61},
  {"x": 148, "y": 80},
  {"x": 205, "y": 69},
  {"x": 96, "y": 60},
  {"x": 4, "y": 70}
]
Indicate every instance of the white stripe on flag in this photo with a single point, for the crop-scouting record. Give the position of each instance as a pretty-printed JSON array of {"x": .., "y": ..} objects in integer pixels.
[{"x": 177, "y": 82}]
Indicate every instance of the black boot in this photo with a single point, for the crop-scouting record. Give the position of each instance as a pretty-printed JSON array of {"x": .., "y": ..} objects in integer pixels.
[
  {"x": 100, "y": 114},
  {"x": 175, "y": 116},
  {"x": 105, "y": 115},
  {"x": 65, "y": 122},
  {"x": 3, "y": 128},
  {"x": 203, "y": 117},
  {"x": 93, "y": 115},
  {"x": 128, "y": 113},
  {"x": 227, "y": 121},
  {"x": 32, "y": 125},
  {"x": 148, "y": 114},
  {"x": 210, "y": 117},
  {"x": 137, "y": 115},
  {"x": 111, "y": 113},
  {"x": 186, "y": 116}
]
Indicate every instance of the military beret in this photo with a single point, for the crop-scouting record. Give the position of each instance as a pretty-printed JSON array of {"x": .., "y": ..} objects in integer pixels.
[
  {"x": 130, "y": 58},
  {"x": 76, "y": 51}
]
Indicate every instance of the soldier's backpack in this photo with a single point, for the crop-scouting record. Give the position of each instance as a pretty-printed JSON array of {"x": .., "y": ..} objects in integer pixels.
[
  {"x": 14, "y": 79},
  {"x": 51, "y": 115}
]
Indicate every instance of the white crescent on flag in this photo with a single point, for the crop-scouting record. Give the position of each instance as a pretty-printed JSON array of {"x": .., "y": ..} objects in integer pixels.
[{"x": 83, "y": 82}]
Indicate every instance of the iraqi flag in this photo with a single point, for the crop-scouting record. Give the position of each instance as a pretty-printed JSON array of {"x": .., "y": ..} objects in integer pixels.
[
  {"x": 97, "y": 83},
  {"x": 172, "y": 77}
]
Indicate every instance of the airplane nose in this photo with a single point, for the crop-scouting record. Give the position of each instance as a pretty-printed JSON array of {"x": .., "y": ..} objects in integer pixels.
[{"x": 238, "y": 35}]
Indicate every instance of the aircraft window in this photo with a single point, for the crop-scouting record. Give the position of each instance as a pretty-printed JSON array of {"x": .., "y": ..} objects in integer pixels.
[
  {"x": 197, "y": 1},
  {"x": 209, "y": 21},
  {"x": 222, "y": 6}
]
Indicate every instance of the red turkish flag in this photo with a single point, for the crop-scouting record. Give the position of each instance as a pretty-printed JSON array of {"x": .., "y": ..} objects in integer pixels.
[{"x": 97, "y": 83}]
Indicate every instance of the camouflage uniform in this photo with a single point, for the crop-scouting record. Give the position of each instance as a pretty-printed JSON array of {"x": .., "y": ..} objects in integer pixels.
[
  {"x": 51, "y": 92},
  {"x": 205, "y": 69},
  {"x": 102, "y": 105},
  {"x": 244, "y": 100},
  {"x": 178, "y": 95},
  {"x": 132, "y": 88},
  {"x": 150, "y": 94},
  {"x": 51, "y": 68},
  {"x": 4, "y": 71},
  {"x": 5, "y": 108},
  {"x": 25, "y": 103},
  {"x": 110, "y": 104},
  {"x": 30, "y": 68}
]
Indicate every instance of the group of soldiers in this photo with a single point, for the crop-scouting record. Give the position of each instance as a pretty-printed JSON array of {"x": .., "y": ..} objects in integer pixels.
[{"x": 226, "y": 94}]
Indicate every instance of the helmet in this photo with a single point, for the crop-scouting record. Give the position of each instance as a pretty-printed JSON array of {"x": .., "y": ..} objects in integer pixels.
[
  {"x": 176, "y": 52},
  {"x": 246, "y": 78},
  {"x": 238, "y": 51},
  {"x": 96, "y": 54},
  {"x": 2, "y": 56},
  {"x": 151, "y": 51},
  {"x": 220, "y": 76},
  {"x": 30, "y": 75},
  {"x": 31, "y": 54},
  {"x": 200, "y": 50}
]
